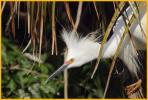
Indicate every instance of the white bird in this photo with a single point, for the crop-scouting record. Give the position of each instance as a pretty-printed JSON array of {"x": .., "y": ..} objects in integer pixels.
[{"x": 85, "y": 49}]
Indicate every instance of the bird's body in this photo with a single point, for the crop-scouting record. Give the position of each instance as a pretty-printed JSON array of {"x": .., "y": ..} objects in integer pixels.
[
  {"x": 130, "y": 45},
  {"x": 85, "y": 49}
]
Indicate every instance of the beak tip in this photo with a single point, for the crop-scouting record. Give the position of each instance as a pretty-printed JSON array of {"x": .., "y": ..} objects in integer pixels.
[
  {"x": 56, "y": 72},
  {"x": 45, "y": 82}
]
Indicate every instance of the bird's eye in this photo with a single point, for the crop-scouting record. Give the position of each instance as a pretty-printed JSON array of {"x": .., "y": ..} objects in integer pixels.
[{"x": 70, "y": 61}]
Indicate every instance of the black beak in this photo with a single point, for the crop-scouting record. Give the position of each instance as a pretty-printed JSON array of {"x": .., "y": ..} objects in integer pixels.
[{"x": 58, "y": 71}]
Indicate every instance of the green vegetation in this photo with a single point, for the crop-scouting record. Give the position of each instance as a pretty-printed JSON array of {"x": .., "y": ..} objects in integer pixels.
[{"x": 23, "y": 78}]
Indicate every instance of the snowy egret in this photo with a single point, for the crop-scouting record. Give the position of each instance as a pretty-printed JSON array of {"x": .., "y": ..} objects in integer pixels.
[{"x": 85, "y": 49}]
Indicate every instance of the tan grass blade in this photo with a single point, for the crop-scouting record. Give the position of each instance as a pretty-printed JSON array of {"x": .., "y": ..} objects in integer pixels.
[
  {"x": 65, "y": 84},
  {"x": 18, "y": 14},
  {"x": 41, "y": 31},
  {"x": 116, "y": 14},
  {"x": 127, "y": 30},
  {"x": 28, "y": 16},
  {"x": 13, "y": 6},
  {"x": 69, "y": 13},
  {"x": 3, "y": 6},
  {"x": 136, "y": 13},
  {"x": 116, "y": 55},
  {"x": 54, "y": 41},
  {"x": 94, "y": 3},
  {"x": 78, "y": 17}
]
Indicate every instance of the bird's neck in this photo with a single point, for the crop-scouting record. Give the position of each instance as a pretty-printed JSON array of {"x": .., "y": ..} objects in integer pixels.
[
  {"x": 111, "y": 46},
  {"x": 118, "y": 30}
]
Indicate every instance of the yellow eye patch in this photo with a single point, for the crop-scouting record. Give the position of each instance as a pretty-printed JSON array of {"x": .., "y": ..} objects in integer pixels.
[{"x": 69, "y": 61}]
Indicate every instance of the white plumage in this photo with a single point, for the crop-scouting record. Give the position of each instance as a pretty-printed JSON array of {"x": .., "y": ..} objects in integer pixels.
[
  {"x": 85, "y": 49},
  {"x": 81, "y": 49}
]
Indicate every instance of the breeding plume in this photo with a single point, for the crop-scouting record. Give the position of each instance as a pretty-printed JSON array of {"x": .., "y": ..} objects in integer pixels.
[{"x": 85, "y": 49}]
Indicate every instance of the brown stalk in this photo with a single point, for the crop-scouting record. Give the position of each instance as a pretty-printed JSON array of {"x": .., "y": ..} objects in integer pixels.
[
  {"x": 10, "y": 19},
  {"x": 69, "y": 13},
  {"x": 41, "y": 32},
  {"x": 136, "y": 13},
  {"x": 94, "y": 3},
  {"x": 28, "y": 16},
  {"x": 114, "y": 4},
  {"x": 78, "y": 17},
  {"x": 116, "y": 14},
  {"x": 54, "y": 41},
  {"x": 34, "y": 30},
  {"x": 65, "y": 84},
  {"x": 18, "y": 13},
  {"x": 127, "y": 30},
  {"x": 12, "y": 6},
  {"x": 3, "y": 6}
]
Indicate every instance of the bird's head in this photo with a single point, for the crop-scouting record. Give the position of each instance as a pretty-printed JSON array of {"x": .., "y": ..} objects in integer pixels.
[{"x": 80, "y": 50}]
